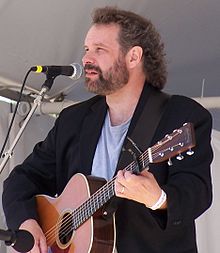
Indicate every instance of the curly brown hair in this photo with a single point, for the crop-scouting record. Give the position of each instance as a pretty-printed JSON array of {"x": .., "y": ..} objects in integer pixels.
[{"x": 137, "y": 31}]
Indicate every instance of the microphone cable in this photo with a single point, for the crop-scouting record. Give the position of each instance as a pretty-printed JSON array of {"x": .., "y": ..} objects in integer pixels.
[{"x": 14, "y": 114}]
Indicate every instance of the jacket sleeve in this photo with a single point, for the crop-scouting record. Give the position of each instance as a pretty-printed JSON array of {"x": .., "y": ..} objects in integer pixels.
[
  {"x": 36, "y": 175},
  {"x": 189, "y": 186}
]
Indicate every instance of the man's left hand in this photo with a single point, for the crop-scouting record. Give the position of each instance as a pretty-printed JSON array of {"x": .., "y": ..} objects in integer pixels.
[{"x": 142, "y": 188}]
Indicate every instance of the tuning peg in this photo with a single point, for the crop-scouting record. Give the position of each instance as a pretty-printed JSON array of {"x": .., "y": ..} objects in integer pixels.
[
  {"x": 171, "y": 149},
  {"x": 170, "y": 162},
  {"x": 190, "y": 152},
  {"x": 181, "y": 144},
  {"x": 180, "y": 157},
  {"x": 161, "y": 154},
  {"x": 169, "y": 137}
]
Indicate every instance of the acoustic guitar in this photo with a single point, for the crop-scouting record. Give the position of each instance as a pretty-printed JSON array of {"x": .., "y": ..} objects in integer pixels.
[{"x": 75, "y": 222}]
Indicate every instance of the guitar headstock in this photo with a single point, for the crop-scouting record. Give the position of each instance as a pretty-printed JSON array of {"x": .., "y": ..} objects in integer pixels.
[{"x": 180, "y": 140}]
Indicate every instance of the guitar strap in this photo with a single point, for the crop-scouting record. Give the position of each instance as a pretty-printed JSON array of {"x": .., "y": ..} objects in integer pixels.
[
  {"x": 144, "y": 124},
  {"x": 141, "y": 131}
]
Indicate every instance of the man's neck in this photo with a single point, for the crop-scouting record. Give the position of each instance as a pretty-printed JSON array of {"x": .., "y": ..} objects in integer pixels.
[{"x": 122, "y": 103}]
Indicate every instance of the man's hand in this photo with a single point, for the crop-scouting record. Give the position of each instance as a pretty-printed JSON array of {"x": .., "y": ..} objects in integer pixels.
[
  {"x": 33, "y": 227},
  {"x": 142, "y": 188}
]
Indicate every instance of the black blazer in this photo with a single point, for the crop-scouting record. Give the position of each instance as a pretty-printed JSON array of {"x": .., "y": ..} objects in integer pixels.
[{"x": 69, "y": 148}]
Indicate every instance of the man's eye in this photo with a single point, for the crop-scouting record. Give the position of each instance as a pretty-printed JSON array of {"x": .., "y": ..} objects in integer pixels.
[{"x": 99, "y": 49}]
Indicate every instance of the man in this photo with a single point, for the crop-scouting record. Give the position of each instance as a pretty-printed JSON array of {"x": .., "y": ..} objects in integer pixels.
[{"x": 124, "y": 64}]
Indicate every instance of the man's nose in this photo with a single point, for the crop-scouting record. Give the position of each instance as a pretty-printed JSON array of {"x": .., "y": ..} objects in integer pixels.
[{"x": 88, "y": 59}]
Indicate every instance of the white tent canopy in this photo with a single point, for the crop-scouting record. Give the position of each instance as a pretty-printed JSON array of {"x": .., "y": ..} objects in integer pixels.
[{"x": 51, "y": 32}]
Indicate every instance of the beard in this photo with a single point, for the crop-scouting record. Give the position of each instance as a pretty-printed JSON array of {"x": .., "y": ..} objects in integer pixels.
[{"x": 108, "y": 81}]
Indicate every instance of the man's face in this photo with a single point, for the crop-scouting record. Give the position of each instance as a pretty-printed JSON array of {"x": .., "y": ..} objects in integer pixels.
[{"x": 104, "y": 64}]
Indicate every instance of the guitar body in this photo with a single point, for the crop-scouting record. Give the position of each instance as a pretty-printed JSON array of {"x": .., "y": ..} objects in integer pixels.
[
  {"x": 94, "y": 235},
  {"x": 75, "y": 223}
]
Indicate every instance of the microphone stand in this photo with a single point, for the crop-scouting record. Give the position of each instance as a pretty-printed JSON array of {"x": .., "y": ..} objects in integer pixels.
[{"x": 45, "y": 87}]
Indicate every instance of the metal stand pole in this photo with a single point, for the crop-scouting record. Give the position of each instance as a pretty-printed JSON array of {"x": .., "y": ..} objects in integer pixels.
[{"x": 37, "y": 102}]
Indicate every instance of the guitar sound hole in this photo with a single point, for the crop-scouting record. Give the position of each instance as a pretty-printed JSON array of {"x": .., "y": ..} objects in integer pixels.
[{"x": 66, "y": 228}]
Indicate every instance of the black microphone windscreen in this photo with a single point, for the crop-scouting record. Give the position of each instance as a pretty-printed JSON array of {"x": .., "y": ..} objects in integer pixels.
[{"x": 24, "y": 241}]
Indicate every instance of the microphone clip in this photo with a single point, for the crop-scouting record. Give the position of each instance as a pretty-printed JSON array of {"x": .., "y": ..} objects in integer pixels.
[{"x": 49, "y": 81}]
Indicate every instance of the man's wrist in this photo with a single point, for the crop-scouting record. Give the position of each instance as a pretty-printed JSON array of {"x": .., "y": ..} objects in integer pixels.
[{"x": 161, "y": 203}]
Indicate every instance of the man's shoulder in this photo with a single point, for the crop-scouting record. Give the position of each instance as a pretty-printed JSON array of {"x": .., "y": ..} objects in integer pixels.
[
  {"x": 182, "y": 106},
  {"x": 82, "y": 107},
  {"x": 71, "y": 119},
  {"x": 186, "y": 102}
]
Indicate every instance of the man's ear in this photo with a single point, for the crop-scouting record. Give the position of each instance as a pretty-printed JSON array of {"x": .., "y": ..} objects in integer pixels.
[{"x": 134, "y": 56}]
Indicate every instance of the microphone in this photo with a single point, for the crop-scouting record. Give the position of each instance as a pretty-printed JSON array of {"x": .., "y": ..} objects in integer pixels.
[
  {"x": 73, "y": 71},
  {"x": 20, "y": 240}
]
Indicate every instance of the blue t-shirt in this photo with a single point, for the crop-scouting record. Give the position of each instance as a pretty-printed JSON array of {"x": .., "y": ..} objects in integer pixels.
[{"x": 108, "y": 149}]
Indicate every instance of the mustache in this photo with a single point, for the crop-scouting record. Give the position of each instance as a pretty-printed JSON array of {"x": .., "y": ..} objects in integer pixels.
[{"x": 92, "y": 67}]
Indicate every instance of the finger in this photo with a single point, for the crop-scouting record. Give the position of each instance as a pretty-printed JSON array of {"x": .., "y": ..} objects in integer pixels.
[
  {"x": 127, "y": 179},
  {"x": 128, "y": 175},
  {"x": 35, "y": 248},
  {"x": 120, "y": 174},
  {"x": 43, "y": 245},
  {"x": 119, "y": 188},
  {"x": 121, "y": 193},
  {"x": 146, "y": 173},
  {"x": 119, "y": 178},
  {"x": 122, "y": 190},
  {"x": 40, "y": 245}
]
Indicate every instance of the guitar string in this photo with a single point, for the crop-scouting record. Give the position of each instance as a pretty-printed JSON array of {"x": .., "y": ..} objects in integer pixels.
[
  {"x": 86, "y": 204},
  {"x": 69, "y": 225},
  {"x": 69, "y": 219}
]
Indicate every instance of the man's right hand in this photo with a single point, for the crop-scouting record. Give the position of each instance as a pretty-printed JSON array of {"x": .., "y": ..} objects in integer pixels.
[{"x": 40, "y": 245}]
